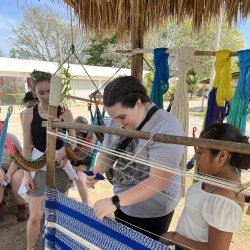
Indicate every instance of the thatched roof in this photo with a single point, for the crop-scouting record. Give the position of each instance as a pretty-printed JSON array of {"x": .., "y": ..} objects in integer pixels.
[{"x": 104, "y": 15}]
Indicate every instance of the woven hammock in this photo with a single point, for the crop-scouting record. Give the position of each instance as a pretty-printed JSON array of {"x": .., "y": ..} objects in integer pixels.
[
  {"x": 72, "y": 225},
  {"x": 27, "y": 164},
  {"x": 35, "y": 165}
]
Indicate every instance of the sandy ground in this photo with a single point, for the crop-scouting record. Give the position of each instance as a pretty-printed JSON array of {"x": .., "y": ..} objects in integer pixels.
[{"x": 13, "y": 234}]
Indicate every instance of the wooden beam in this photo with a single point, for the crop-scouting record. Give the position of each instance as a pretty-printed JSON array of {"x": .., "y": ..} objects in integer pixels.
[
  {"x": 51, "y": 148},
  {"x": 54, "y": 100},
  {"x": 181, "y": 140},
  {"x": 197, "y": 53},
  {"x": 80, "y": 98},
  {"x": 136, "y": 38}
]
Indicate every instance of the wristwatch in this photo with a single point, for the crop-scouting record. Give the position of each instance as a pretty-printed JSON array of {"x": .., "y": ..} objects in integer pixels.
[{"x": 116, "y": 201}]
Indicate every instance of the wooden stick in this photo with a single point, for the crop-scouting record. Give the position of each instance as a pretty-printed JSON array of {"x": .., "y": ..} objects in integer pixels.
[
  {"x": 181, "y": 140},
  {"x": 197, "y": 53},
  {"x": 54, "y": 100},
  {"x": 136, "y": 38},
  {"x": 80, "y": 98},
  {"x": 51, "y": 148}
]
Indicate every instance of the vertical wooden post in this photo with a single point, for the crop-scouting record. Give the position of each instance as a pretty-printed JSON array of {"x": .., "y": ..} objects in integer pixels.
[
  {"x": 54, "y": 100},
  {"x": 136, "y": 38}
]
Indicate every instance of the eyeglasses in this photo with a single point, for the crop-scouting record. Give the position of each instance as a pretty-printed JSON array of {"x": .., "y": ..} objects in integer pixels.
[{"x": 41, "y": 76}]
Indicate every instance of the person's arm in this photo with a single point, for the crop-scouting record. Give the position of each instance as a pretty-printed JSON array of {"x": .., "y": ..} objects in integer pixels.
[
  {"x": 27, "y": 144},
  {"x": 104, "y": 162},
  {"x": 11, "y": 170},
  {"x": 26, "y": 128},
  {"x": 216, "y": 240},
  {"x": 155, "y": 183}
]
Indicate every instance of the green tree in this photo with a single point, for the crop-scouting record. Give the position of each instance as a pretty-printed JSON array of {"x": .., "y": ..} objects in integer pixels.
[
  {"x": 101, "y": 52},
  {"x": 97, "y": 47},
  {"x": 192, "y": 81},
  {"x": 44, "y": 34}
]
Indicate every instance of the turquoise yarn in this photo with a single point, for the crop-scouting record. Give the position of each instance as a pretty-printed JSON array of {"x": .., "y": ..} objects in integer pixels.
[
  {"x": 160, "y": 84},
  {"x": 239, "y": 108},
  {"x": 4, "y": 132}
]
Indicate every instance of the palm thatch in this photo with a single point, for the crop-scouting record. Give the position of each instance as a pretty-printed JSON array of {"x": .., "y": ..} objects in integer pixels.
[{"x": 101, "y": 16}]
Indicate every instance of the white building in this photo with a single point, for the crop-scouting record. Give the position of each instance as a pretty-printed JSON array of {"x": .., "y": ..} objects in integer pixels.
[{"x": 14, "y": 74}]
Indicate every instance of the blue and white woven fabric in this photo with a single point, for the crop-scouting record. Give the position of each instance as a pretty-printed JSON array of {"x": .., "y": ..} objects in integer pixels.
[{"x": 72, "y": 225}]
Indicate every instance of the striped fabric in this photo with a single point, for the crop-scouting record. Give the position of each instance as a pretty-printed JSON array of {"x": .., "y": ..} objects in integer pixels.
[{"x": 72, "y": 225}]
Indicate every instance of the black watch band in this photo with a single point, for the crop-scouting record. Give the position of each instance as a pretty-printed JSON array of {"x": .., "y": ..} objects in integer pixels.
[{"x": 116, "y": 201}]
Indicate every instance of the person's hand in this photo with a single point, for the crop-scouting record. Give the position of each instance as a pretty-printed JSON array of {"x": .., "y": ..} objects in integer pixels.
[
  {"x": 28, "y": 182},
  {"x": 168, "y": 238},
  {"x": 91, "y": 180},
  {"x": 7, "y": 178},
  {"x": 61, "y": 158},
  {"x": 103, "y": 208},
  {"x": 63, "y": 162}
]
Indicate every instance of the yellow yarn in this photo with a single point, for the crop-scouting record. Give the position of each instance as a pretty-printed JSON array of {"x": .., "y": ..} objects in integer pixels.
[{"x": 223, "y": 78}]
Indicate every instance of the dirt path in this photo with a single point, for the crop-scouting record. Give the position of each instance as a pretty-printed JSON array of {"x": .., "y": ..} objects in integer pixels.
[{"x": 13, "y": 234}]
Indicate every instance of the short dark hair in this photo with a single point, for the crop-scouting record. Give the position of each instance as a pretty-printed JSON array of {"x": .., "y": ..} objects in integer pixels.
[
  {"x": 126, "y": 90},
  {"x": 29, "y": 96},
  {"x": 227, "y": 132}
]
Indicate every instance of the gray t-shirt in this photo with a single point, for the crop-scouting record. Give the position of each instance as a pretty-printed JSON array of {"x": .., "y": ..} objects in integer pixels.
[
  {"x": 166, "y": 154},
  {"x": 6, "y": 159}
]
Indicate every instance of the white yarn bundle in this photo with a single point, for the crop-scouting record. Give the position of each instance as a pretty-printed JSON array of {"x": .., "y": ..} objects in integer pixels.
[{"x": 184, "y": 60}]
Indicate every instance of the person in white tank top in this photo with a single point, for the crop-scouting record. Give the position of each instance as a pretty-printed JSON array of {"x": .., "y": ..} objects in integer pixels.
[{"x": 212, "y": 214}]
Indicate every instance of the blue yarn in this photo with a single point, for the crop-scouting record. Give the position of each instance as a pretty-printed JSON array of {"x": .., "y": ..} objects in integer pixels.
[
  {"x": 98, "y": 176},
  {"x": 53, "y": 242},
  {"x": 4, "y": 132},
  {"x": 239, "y": 108},
  {"x": 215, "y": 114},
  {"x": 79, "y": 219},
  {"x": 96, "y": 224},
  {"x": 210, "y": 107},
  {"x": 160, "y": 84}
]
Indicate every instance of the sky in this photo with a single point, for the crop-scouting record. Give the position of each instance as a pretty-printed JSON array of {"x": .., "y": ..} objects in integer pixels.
[{"x": 11, "y": 12}]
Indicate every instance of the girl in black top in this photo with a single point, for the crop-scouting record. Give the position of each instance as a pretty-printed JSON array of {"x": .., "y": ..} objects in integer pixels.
[{"x": 34, "y": 133}]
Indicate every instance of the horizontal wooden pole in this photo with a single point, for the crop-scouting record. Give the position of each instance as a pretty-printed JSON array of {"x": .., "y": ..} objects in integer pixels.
[
  {"x": 197, "y": 53},
  {"x": 181, "y": 140},
  {"x": 80, "y": 99}
]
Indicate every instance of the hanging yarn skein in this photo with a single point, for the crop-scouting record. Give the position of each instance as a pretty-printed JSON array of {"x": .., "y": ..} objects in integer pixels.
[
  {"x": 222, "y": 90},
  {"x": 239, "y": 109},
  {"x": 223, "y": 77},
  {"x": 160, "y": 84},
  {"x": 185, "y": 61}
]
